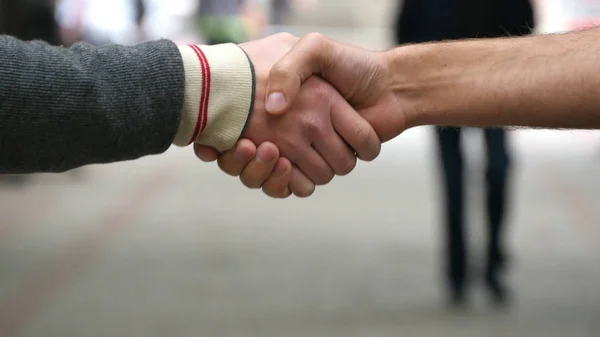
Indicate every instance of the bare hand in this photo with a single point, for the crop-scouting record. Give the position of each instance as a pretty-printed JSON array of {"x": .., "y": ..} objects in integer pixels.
[
  {"x": 361, "y": 76},
  {"x": 320, "y": 134}
]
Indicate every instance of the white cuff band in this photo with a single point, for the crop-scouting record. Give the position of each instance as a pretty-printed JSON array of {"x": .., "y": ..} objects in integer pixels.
[{"x": 219, "y": 90}]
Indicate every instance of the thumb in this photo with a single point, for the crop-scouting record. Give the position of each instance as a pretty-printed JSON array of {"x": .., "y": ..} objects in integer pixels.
[{"x": 312, "y": 55}]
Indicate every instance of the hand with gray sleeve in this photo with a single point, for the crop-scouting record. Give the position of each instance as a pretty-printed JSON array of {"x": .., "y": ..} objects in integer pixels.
[{"x": 61, "y": 108}]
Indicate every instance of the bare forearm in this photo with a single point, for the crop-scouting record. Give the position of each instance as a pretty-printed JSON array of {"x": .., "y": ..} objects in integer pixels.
[{"x": 541, "y": 81}]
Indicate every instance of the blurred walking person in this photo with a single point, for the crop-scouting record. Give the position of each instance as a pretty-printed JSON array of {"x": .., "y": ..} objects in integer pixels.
[
  {"x": 279, "y": 9},
  {"x": 434, "y": 20},
  {"x": 29, "y": 20}
]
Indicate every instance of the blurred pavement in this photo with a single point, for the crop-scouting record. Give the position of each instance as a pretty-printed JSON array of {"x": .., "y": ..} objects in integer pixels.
[{"x": 170, "y": 246}]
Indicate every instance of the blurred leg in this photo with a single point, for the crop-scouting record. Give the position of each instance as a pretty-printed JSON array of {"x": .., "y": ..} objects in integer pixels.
[
  {"x": 497, "y": 180},
  {"x": 278, "y": 14},
  {"x": 279, "y": 9},
  {"x": 452, "y": 167}
]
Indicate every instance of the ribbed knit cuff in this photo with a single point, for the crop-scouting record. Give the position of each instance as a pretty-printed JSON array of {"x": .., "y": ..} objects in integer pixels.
[{"x": 219, "y": 95}]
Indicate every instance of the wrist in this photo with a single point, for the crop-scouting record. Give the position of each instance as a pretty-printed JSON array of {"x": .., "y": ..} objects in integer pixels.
[
  {"x": 461, "y": 83},
  {"x": 422, "y": 79},
  {"x": 219, "y": 94}
]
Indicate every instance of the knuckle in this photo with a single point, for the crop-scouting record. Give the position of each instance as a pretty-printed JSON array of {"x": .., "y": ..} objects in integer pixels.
[
  {"x": 319, "y": 45},
  {"x": 227, "y": 168},
  {"x": 251, "y": 184},
  {"x": 276, "y": 185},
  {"x": 270, "y": 192},
  {"x": 304, "y": 191},
  {"x": 313, "y": 125},
  {"x": 314, "y": 37},
  {"x": 324, "y": 177},
  {"x": 321, "y": 93},
  {"x": 350, "y": 164},
  {"x": 277, "y": 193},
  {"x": 285, "y": 36},
  {"x": 288, "y": 141},
  {"x": 249, "y": 181}
]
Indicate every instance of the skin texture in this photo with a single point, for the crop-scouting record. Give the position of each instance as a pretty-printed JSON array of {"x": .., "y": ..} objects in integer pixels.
[
  {"x": 547, "y": 81},
  {"x": 550, "y": 81},
  {"x": 321, "y": 135}
]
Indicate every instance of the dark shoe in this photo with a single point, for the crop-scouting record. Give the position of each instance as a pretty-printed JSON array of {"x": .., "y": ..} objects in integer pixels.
[
  {"x": 497, "y": 290},
  {"x": 457, "y": 297}
]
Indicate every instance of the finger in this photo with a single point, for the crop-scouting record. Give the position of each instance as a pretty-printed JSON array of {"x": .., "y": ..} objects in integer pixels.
[
  {"x": 355, "y": 130},
  {"x": 206, "y": 153},
  {"x": 277, "y": 185},
  {"x": 233, "y": 162},
  {"x": 300, "y": 184},
  {"x": 313, "y": 54},
  {"x": 337, "y": 153},
  {"x": 260, "y": 167},
  {"x": 307, "y": 159}
]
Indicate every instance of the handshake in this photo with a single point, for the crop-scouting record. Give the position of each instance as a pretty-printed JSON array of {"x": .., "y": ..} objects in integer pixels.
[{"x": 319, "y": 105}]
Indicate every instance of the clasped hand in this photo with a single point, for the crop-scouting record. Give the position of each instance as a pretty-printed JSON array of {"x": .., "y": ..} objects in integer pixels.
[{"x": 319, "y": 105}]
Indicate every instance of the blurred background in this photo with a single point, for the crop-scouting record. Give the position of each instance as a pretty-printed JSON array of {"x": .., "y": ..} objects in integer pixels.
[{"x": 169, "y": 246}]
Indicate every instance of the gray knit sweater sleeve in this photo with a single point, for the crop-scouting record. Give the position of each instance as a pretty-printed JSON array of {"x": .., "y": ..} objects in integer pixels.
[{"x": 62, "y": 108}]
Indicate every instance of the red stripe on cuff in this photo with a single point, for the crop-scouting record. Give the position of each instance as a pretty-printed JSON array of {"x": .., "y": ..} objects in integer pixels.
[
  {"x": 204, "y": 95},
  {"x": 206, "y": 87}
]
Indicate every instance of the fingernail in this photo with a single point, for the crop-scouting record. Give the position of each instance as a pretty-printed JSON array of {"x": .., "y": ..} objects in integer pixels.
[
  {"x": 276, "y": 102},
  {"x": 264, "y": 156}
]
